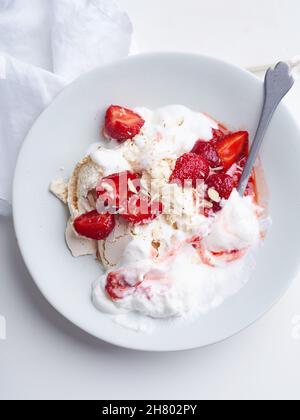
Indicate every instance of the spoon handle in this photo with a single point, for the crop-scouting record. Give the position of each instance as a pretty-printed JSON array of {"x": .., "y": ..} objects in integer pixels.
[{"x": 278, "y": 82}]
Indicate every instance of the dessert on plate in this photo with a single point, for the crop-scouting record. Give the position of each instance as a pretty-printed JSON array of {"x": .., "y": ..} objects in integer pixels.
[{"x": 155, "y": 201}]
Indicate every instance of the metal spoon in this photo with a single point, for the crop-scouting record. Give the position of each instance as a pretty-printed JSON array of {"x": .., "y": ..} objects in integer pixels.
[{"x": 278, "y": 82}]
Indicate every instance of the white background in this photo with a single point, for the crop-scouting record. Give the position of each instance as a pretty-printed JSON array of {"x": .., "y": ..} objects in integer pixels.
[{"x": 45, "y": 356}]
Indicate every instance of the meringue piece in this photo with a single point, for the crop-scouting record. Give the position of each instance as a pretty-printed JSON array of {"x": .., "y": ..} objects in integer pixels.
[
  {"x": 110, "y": 161},
  {"x": 184, "y": 212},
  {"x": 128, "y": 244},
  {"x": 163, "y": 170},
  {"x": 236, "y": 226},
  {"x": 83, "y": 180},
  {"x": 112, "y": 249},
  {"x": 59, "y": 188},
  {"x": 78, "y": 245}
]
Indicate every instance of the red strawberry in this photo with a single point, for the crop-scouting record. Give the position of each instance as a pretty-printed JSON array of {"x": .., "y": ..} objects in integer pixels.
[
  {"x": 141, "y": 210},
  {"x": 190, "y": 167},
  {"x": 93, "y": 225},
  {"x": 113, "y": 190},
  {"x": 218, "y": 135},
  {"x": 122, "y": 124},
  {"x": 222, "y": 183},
  {"x": 121, "y": 283},
  {"x": 233, "y": 147},
  {"x": 208, "y": 152}
]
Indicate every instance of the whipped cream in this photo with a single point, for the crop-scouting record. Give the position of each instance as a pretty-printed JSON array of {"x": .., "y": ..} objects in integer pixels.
[
  {"x": 111, "y": 161},
  {"x": 78, "y": 245},
  {"x": 182, "y": 288},
  {"x": 167, "y": 134},
  {"x": 236, "y": 227},
  {"x": 183, "y": 285}
]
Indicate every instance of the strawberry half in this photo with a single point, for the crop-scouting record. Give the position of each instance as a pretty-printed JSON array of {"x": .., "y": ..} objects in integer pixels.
[
  {"x": 222, "y": 183},
  {"x": 122, "y": 193},
  {"x": 122, "y": 124},
  {"x": 114, "y": 190},
  {"x": 208, "y": 151},
  {"x": 93, "y": 225},
  {"x": 218, "y": 134},
  {"x": 191, "y": 168},
  {"x": 233, "y": 147},
  {"x": 142, "y": 210}
]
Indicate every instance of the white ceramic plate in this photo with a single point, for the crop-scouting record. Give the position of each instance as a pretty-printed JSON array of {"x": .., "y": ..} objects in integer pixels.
[{"x": 61, "y": 136}]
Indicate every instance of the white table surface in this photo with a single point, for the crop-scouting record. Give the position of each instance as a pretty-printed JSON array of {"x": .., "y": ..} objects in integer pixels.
[{"x": 45, "y": 357}]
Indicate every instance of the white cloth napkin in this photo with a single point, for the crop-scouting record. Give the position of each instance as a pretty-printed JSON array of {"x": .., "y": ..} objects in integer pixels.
[{"x": 44, "y": 45}]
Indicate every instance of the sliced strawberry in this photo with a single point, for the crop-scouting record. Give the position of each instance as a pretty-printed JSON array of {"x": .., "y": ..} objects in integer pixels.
[
  {"x": 121, "y": 283},
  {"x": 233, "y": 147},
  {"x": 208, "y": 151},
  {"x": 191, "y": 168},
  {"x": 121, "y": 193},
  {"x": 222, "y": 183},
  {"x": 122, "y": 124},
  {"x": 218, "y": 135},
  {"x": 93, "y": 225},
  {"x": 114, "y": 189},
  {"x": 141, "y": 210}
]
